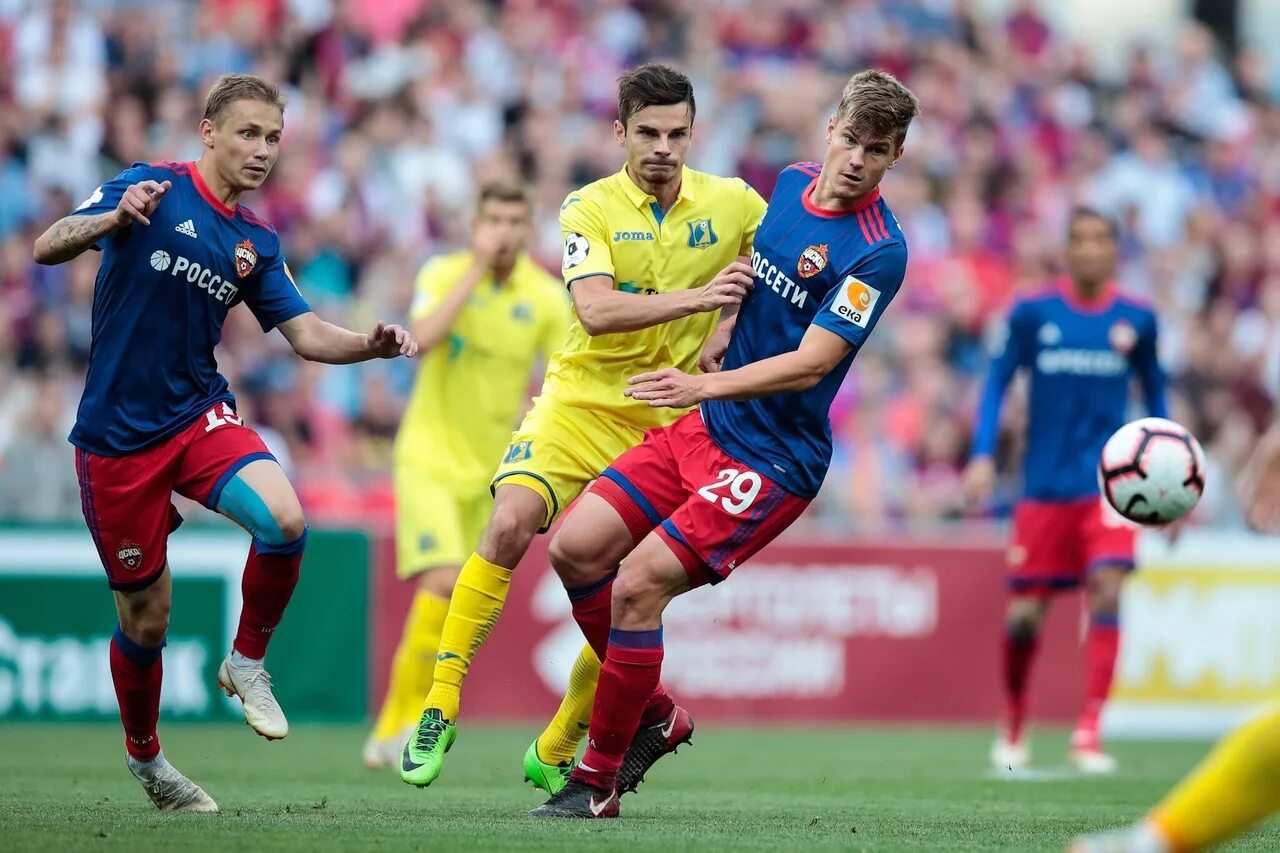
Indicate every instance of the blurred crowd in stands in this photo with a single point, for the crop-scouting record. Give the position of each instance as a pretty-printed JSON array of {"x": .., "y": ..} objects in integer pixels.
[{"x": 398, "y": 110}]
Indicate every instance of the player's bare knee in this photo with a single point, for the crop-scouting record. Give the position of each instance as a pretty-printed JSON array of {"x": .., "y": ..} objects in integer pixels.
[
  {"x": 1104, "y": 591},
  {"x": 439, "y": 582},
  {"x": 572, "y": 562},
  {"x": 1024, "y": 615},
  {"x": 509, "y": 533},
  {"x": 289, "y": 519},
  {"x": 637, "y": 594},
  {"x": 1104, "y": 601},
  {"x": 145, "y": 618}
]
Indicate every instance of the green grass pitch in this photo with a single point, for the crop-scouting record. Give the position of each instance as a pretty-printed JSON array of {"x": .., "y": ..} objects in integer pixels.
[{"x": 64, "y": 787}]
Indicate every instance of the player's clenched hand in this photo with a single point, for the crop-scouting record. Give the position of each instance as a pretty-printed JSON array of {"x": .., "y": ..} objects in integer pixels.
[
  {"x": 390, "y": 341},
  {"x": 979, "y": 479},
  {"x": 730, "y": 287},
  {"x": 139, "y": 201},
  {"x": 668, "y": 387},
  {"x": 713, "y": 352},
  {"x": 486, "y": 242}
]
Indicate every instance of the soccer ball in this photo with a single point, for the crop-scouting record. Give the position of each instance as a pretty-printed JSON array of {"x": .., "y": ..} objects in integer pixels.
[{"x": 1152, "y": 471}]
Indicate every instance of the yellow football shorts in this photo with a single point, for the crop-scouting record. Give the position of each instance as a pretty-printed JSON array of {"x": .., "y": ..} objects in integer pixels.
[
  {"x": 558, "y": 450},
  {"x": 434, "y": 527}
]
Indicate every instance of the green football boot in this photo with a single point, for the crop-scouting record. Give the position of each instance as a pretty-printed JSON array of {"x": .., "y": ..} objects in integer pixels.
[
  {"x": 423, "y": 755},
  {"x": 549, "y": 777}
]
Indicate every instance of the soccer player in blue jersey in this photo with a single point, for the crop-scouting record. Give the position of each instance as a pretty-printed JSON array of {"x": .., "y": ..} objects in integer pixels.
[
  {"x": 699, "y": 497},
  {"x": 1082, "y": 344},
  {"x": 178, "y": 252}
]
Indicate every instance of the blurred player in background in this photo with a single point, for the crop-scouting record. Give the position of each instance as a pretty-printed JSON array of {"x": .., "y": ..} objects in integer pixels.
[
  {"x": 1238, "y": 784},
  {"x": 642, "y": 249},
  {"x": 1082, "y": 344},
  {"x": 703, "y": 495},
  {"x": 178, "y": 253},
  {"x": 483, "y": 318}
]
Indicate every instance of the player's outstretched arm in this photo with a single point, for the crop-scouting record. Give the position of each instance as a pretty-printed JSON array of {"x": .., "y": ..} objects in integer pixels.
[
  {"x": 71, "y": 235},
  {"x": 819, "y": 352},
  {"x": 316, "y": 340},
  {"x": 1011, "y": 353},
  {"x": 603, "y": 310}
]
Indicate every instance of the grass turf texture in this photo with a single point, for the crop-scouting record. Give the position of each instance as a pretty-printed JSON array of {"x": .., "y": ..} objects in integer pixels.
[{"x": 65, "y": 787}]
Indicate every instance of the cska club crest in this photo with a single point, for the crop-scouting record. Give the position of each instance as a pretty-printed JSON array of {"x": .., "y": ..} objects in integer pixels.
[
  {"x": 1123, "y": 337},
  {"x": 129, "y": 555},
  {"x": 246, "y": 258},
  {"x": 813, "y": 260}
]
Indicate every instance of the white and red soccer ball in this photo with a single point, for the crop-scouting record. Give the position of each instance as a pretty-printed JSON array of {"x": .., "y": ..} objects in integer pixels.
[{"x": 1152, "y": 471}]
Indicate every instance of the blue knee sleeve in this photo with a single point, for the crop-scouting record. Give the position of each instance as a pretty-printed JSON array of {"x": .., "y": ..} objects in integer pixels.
[
  {"x": 136, "y": 651},
  {"x": 283, "y": 549},
  {"x": 246, "y": 508}
]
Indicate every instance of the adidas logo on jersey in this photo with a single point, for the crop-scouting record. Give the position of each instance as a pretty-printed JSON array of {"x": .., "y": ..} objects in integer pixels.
[{"x": 188, "y": 228}]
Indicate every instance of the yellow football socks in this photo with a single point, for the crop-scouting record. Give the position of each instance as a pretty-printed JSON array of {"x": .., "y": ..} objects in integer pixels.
[
  {"x": 414, "y": 662},
  {"x": 559, "y": 742},
  {"x": 1237, "y": 785},
  {"x": 477, "y": 603}
]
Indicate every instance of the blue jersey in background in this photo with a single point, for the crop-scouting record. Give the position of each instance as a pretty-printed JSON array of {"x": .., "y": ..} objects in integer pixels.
[{"x": 1082, "y": 359}]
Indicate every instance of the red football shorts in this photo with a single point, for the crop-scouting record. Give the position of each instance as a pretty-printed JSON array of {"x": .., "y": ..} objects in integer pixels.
[
  {"x": 1056, "y": 543},
  {"x": 713, "y": 511},
  {"x": 126, "y": 499}
]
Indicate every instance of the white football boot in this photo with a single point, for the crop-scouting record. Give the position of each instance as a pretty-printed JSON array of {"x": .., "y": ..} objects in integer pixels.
[
  {"x": 1086, "y": 755},
  {"x": 253, "y": 685},
  {"x": 169, "y": 789},
  {"x": 1009, "y": 754}
]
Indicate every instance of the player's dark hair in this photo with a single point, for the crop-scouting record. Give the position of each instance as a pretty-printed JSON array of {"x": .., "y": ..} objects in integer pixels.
[
  {"x": 653, "y": 85},
  {"x": 230, "y": 88},
  {"x": 1085, "y": 212},
  {"x": 878, "y": 106},
  {"x": 504, "y": 189}
]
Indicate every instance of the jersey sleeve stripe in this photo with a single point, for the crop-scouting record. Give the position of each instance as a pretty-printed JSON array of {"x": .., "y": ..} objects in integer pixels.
[
  {"x": 877, "y": 221},
  {"x": 862, "y": 223},
  {"x": 254, "y": 219},
  {"x": 176, "y": 168}
]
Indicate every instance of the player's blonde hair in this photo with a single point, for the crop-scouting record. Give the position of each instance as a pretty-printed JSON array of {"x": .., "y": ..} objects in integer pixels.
[
  {"x": 878, "y": 105},
  {"x": 230, "y": 88}
]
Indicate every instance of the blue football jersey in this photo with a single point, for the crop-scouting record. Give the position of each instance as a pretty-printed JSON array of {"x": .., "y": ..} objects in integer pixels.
[
  {"x": 838, "y": 270},
  {"x": 162, "y": 294},
  {"x": 1082, "y": 359}
]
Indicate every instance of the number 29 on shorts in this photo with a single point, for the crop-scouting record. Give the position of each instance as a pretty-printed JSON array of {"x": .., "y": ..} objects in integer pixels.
[{"x": 743, "y": 488}]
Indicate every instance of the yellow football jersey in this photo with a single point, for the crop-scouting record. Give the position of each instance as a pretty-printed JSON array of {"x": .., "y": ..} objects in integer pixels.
[
  {"x": 614, "y": 228},
  {"x": 472, "y": 385}
]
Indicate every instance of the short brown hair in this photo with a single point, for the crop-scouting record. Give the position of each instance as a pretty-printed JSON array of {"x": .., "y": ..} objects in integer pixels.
[
  {"x": 504, "y": 189},
  {"x": 230, "y": 88},
  {"x": 878, "y": 105},
  {"x": 653, "y": 85},
  {"x": 1083, "y": 211}
]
